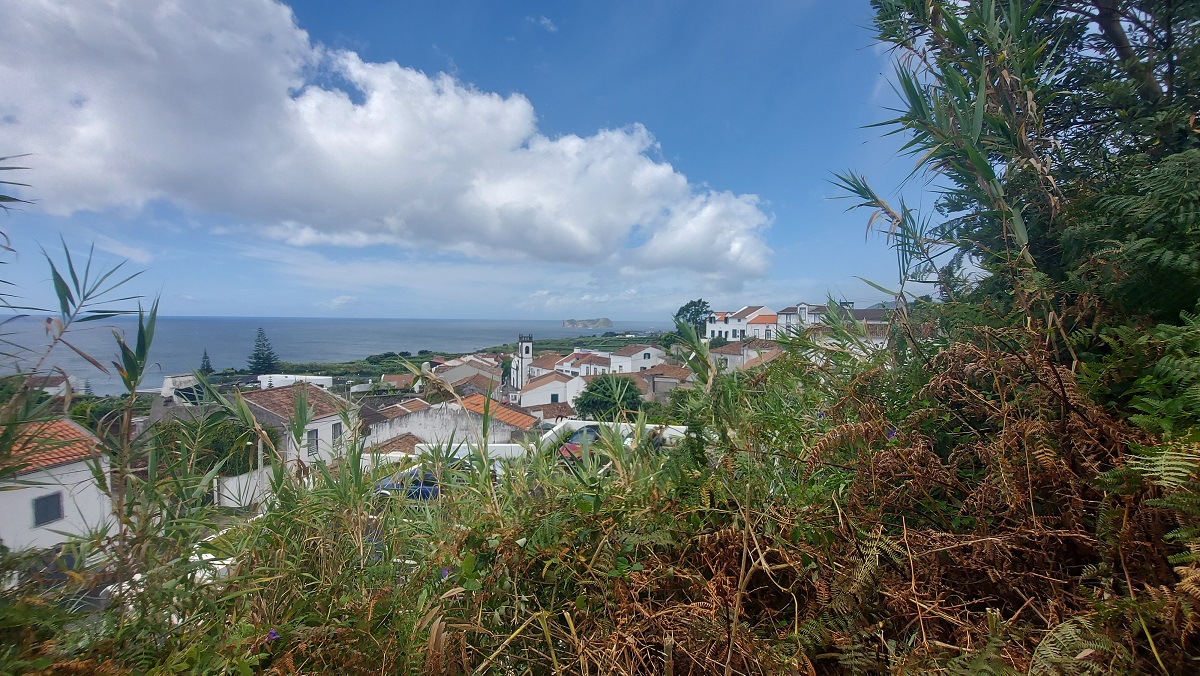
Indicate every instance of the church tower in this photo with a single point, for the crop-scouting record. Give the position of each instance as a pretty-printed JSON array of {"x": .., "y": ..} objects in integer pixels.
[{"x": 519, "y": 373}]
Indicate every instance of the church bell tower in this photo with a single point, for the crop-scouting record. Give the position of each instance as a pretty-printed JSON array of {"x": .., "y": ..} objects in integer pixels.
[{"x": 520, "y": 363}]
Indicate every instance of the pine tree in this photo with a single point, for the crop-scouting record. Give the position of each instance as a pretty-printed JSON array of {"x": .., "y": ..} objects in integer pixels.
[
  {"x": 206, "y": 367},
  {"x": 87, "y": 388},
  {"x": 263, "y": 358}
]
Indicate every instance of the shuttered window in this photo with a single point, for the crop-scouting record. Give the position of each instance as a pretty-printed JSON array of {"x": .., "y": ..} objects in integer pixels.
[{"x": 47, "y": 509}]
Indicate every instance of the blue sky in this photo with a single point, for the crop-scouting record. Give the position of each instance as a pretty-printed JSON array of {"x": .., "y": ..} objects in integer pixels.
[{"x": 449, "y": 159}]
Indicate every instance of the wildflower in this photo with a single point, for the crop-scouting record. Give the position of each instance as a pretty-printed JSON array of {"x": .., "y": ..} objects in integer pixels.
[
  {"x": 891, "y": 433},
  {"x": 272, "y": 635}
]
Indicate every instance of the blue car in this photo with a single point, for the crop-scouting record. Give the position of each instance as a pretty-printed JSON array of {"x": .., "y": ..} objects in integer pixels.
[{"x": 413, "y": 484}]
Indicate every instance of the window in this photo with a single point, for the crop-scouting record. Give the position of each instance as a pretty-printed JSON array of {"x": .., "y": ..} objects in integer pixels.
[
  {"x": 620, "y": 369},
  {"x": 312, "y": 443},
  {"x": 554, "y": 399},
  {"x": 528, "y": 348},
  {"x": 47, "y": 509},
  {"x": 642, "y": 369},
  {"x": 646, "y": 355},
  {"x": 337, "y": 432},
  {"x": 768, "y": 330}
]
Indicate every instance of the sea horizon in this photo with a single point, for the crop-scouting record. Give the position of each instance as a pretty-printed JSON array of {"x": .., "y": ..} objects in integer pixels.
[{"x": 181, "y": 340}]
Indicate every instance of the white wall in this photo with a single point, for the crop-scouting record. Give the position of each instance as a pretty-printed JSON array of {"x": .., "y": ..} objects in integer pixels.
[
  {"x": 566, "y": 392},
  {"x": 327, "y": 450},
  {"x": 441, "y": 422},
  {"x": 245, "y": 489},
  {"x": 283, "y": 380},
  {"x": 84, "y": 506}
]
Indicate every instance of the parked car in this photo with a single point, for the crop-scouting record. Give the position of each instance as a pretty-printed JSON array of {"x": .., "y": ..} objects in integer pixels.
[
  {"x": 569, "y": 450},
  {"x": 413, "y": 484}
]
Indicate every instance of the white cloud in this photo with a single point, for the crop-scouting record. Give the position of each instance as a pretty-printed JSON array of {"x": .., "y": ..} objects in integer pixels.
[
  {"x": 223, "y": 108},
  {"x": 339, "y": 303},
  {"x": 543, "y": 22},
  {"x": 134, "y": 253}
]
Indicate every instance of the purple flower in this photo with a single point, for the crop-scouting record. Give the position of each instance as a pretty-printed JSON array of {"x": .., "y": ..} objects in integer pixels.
[
  {"x": 820, "y": 416},
  {"x": 272, "y": 635},
  {"x": 891, "y": 433},
  {"x": 445, "y": 573}
]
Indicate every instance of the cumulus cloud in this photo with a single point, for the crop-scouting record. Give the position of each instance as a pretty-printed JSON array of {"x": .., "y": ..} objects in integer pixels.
[{"x": 226, "y": 107}]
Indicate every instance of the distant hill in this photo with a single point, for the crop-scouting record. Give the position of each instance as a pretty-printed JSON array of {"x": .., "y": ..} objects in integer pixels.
[{"x": 599, "y": 323}]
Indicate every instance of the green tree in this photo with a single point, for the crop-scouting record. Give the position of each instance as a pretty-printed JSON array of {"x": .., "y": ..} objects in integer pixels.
[
  {"x": 694, "y": 313},
  {"x": 262, "y": 359},
  {"x": 608, "y": 398},
  {"x": 206, "y": 367}
]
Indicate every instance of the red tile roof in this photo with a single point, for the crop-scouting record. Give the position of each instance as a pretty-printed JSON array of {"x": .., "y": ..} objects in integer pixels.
[
  {"x": 630, "y": 350},
  {"x": 763, "y": 319},
  {"x": 546, "y": 378},
  {"x": 729, "y": 348},
  {"x": 597, "y": 359},
  {"x": 404, "y": 408},
  {"x": 547, "y": 361},
  {"x": 679, "y": 373},
  {"x": 42, "y": 445},
  {"x": 405, "y": 443},
  {"x": 498, "y": 411},
  {"x": 479, "y": 381},
  {"x": 403, "y": 380},
  {"x": 39, "y": 382},
  {"x": 282, "y": 400}
]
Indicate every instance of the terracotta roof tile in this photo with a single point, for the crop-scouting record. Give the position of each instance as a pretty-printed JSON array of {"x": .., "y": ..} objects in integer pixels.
[
  {"x": 730, "y": 348},
  {"x": 498, "y": 411},
  {"x": 630, "y": 350},
  {"x": 553, "y": 376},
  {"x": 478, "y": 381},
  {"x": 405, "y": 443},
  {"x": 42, "y": 445},
  {"x": 597, "y": 359},
  {"x": 790, "y": 310},
  {"x": 401, "y": 380},
  {"x": 282, "y": 400},
  {"x": 679, "y": 373},
  {"x": 405, "y": 408},
  {"x": 763, "y": 319},
  {"x": 547, "y": 361}
]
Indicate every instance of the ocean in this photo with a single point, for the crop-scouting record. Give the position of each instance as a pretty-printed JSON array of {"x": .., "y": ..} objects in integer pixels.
[{"x": 179, "y": 342}]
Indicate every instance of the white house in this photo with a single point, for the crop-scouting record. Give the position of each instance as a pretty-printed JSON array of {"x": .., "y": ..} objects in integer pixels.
[
  {"x": 552, "y": 388},
  {"x": 801, "y": 316},
  {"x": 56, "y": 493},
  {"x": 736, "y": 325},
  {"x": 326, "y": 430},
  {"x": 634, "y": 358},
  {"x": 460, "y": 422}
]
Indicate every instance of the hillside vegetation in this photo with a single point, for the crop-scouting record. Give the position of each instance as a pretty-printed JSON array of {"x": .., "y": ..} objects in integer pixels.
[{"x": 1011, "y": 485}]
